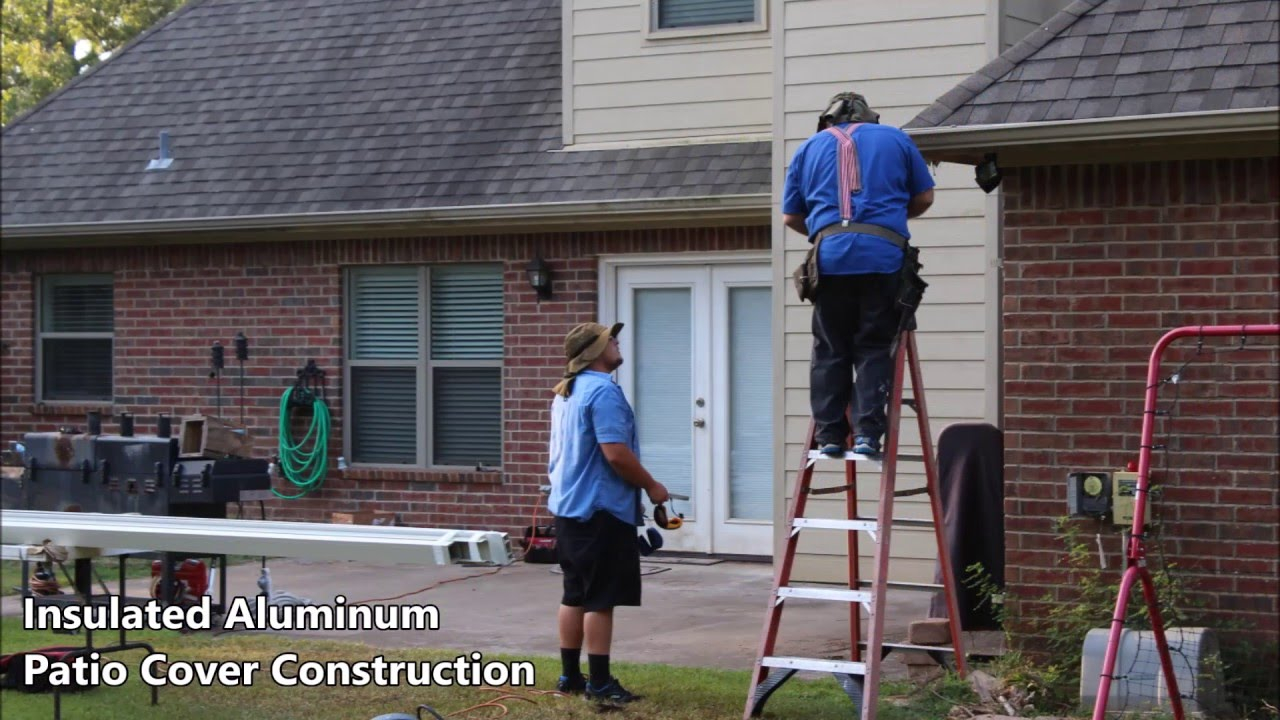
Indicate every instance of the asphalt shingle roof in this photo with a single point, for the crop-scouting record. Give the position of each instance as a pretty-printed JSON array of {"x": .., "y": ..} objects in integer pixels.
[
  {"x": 1114, "y": 58},
  {"x": 318, "y": 106}
]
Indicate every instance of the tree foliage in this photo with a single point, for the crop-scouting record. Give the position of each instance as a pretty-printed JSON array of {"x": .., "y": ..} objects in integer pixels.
[{"x": 39, "y": 38}]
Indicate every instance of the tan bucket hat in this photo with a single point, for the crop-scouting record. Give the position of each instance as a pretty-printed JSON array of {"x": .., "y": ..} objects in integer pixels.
[{"x": 582, "y": 346}]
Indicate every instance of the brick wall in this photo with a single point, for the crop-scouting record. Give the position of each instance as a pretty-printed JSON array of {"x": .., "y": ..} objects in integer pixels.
[
  {"x": 173, "y": 302},
  {"x": 1100, "y": 261}
]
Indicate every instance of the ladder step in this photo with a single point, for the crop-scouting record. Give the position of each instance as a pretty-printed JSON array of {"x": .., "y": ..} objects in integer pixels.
[
  {"x": 921, "y": 648},
  {"x": 855, "y": 457},
  {"x": 834, "y": 524},
  {"x": 904, "y": 586},
  {"x": 845, "y": 667},
  {"x": 856, "y": 524},
  {"x": 812, "y": 593},
  {"x": 912, "y": 523}
]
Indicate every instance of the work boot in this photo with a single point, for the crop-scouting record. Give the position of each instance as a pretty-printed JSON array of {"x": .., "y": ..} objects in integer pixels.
[
  {"x": 611, "y": 694},
  {"x": 572, "y": 685}
]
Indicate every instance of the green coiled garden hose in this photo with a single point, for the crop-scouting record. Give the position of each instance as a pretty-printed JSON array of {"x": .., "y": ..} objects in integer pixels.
[{"x": 305, "y": 469}]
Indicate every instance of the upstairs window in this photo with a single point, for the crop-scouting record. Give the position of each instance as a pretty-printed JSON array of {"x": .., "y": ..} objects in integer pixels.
[
  {"x": 676, "y": 14},
  {"x": 424, "y": 355},
  {"x": 74, "y": 338}
]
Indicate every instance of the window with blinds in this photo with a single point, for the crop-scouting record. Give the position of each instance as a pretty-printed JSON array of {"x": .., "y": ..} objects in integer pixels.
[
  {"x": 424, "y": 356},
  {"x": 75, "y": 337},
  {"x": 693, "y": 13}
]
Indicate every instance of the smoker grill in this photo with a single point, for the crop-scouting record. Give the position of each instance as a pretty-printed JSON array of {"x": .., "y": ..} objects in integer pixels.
[{"x": 143, "y": 474}]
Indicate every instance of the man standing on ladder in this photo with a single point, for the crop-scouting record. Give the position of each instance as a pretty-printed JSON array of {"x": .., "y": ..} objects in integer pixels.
[
  {"x": 596, "y": 479},
  {"x": 851, "y": 188}
]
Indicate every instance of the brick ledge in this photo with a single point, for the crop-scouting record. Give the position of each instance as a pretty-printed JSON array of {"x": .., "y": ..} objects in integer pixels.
[
  {"x": 108, "y": 410},
  {"x": 423, "y": 475}
]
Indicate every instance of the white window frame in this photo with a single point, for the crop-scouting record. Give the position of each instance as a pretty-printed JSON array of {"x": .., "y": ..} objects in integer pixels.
[
  {"x": 41, "y": 336},
  {"x": 424, "y": 367},
  {"x": 653, "y": 32}
]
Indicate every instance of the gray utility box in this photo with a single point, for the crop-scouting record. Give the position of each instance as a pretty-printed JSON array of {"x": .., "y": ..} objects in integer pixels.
[{"x": 1139, "y": 684}]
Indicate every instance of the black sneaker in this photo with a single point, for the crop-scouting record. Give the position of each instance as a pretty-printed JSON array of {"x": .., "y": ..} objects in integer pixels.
[
  {"x": 572, "y": 685},
  {"x": 611, "y": 694},
  {"x": 832, "y": 449}
]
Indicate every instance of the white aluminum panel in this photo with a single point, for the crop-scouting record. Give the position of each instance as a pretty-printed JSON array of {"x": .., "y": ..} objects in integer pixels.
[{"x": 319, "y": 541}]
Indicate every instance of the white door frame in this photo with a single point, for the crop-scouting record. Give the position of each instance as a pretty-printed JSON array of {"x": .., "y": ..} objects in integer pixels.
[{"x": 710, "y": 511}]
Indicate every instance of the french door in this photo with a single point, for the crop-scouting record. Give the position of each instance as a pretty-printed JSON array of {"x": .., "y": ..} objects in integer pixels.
[{"x": 697, "y": 368}]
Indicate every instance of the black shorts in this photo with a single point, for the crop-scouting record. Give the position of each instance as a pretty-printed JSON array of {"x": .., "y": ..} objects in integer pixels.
[{"x": 601, "y": 562}]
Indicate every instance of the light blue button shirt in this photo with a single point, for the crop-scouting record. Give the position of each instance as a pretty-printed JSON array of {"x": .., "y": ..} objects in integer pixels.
[{"x": 582, "y": 480}]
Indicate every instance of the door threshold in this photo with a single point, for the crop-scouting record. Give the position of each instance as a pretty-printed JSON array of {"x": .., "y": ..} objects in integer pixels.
[{"x": 683, "y": 557}]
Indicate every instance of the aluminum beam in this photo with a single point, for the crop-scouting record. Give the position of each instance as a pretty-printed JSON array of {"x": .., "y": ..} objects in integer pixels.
[{"x": 317, "y": 541}]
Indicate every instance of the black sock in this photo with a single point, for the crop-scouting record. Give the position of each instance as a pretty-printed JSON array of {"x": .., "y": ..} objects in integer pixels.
[
  {"x": 571, "y": 661},
  {"x": 598, "y": 665}
]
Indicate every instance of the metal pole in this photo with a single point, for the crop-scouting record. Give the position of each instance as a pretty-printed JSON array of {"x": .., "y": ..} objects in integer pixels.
[{"x": 1136, "y": 562}]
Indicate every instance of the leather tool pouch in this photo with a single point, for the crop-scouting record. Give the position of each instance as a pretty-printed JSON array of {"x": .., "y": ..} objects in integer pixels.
[
  {"x": 912, "y": 287},
  {"x": 805, "y": 276}
]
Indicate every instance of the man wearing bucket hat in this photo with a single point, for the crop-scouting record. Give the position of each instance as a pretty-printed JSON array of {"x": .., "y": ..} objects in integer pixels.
[
  {"x": 850, "y": 189},
  {"x": 596, "y": 479}
]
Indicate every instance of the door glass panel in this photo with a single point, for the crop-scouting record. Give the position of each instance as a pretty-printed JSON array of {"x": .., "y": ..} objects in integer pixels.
[
  {"x": 663, "y": 355},
  {"x": 750, "y": 405}
]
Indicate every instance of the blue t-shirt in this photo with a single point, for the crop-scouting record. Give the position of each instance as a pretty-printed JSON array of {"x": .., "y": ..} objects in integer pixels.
[
  {"x": 582, "y": 480},
  {"x": 892, "y": 172}
]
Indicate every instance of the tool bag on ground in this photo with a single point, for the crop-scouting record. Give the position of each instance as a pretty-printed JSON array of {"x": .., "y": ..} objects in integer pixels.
[
  {"x": 13, "y": 670},
  {"x": 539, "y": 541}
]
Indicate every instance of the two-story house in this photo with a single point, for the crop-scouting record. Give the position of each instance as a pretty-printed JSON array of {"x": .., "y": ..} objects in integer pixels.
[{"x": 371, "y": 185}]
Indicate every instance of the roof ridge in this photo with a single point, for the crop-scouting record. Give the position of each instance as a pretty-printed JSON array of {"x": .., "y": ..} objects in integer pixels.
[
  {"x": 93, "y": 69},
  {"x": 1002, "y": 65}
]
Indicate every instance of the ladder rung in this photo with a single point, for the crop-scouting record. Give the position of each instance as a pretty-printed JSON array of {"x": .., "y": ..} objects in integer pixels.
[
  {"x": 921, "y": 648},
  {"x": 912, "y": 522},
  {"x": 811, "y": 593},
  {"x": 907, "y": 586},
  {"x": 844, "y": 667},
  {"x": 834, "y": 524},
  {"x": 911, "y": 491}
]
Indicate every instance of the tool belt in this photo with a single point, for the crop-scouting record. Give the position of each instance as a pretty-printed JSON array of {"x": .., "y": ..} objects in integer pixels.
[
  {"x": 911, "y": 289},
  {"x": 806, "y": 275}
]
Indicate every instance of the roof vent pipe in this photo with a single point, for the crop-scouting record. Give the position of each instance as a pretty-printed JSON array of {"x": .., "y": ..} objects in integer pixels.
[{"x": 165, "y": 160}]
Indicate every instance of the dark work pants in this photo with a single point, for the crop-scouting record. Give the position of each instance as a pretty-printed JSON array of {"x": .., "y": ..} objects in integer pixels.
[{"x": 855, "y": 319}]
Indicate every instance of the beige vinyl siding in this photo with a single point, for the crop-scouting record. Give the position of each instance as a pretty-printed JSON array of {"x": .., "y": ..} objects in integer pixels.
[
  {"x": 901, "y": 56},
  {"x": 624, "y": 84},
  {"x": 1020, "y": 17}
]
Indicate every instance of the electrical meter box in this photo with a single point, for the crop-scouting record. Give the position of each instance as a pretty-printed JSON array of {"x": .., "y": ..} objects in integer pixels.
[
  {"x": 1089, "y": 494},
  {"x": 1123, "y": 495}
]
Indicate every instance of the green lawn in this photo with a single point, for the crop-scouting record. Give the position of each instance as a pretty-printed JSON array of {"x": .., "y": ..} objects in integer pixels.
[{"x": 672, "y": 693}]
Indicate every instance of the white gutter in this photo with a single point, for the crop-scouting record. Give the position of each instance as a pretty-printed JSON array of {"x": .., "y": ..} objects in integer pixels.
[
  {"x": 1215, "y": 123},
  {"x": 321, "y": 541},
  {"x": 527, "y": 215}
]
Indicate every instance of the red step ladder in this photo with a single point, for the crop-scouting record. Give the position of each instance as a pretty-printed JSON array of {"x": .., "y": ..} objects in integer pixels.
[{"x": 859, "y": 676}]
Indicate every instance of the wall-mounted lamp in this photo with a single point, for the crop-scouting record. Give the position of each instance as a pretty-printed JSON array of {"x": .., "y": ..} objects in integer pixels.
[
  {"x": 987, "y": 174},
  {"x": 539, "y": 277}
]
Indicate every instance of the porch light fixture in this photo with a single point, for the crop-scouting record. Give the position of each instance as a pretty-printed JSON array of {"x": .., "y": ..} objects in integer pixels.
[{"x": 539, "y": 277}]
